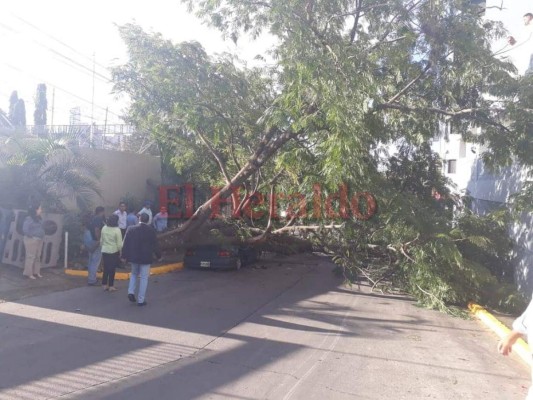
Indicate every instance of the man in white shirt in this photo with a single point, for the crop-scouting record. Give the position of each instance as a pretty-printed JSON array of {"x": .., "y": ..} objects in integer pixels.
[
  {"x": 147, "y": 209},
  {"x": 122, "y": 217},
  {"x": 526, "y": 41}
]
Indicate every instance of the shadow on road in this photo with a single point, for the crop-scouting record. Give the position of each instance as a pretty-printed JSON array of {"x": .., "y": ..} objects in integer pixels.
[{"x": 203, "y": 330}]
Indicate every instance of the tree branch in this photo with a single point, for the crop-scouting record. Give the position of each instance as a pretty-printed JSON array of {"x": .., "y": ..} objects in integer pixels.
[
  {"x": 389, "y": 28},
  {"x": 267, "y": 147},
  {"x": 262, "y": 237},
  {"x": 214, "y": 153},
  {"x": 401, "y": 107},
  {"x": 353, "y": 32},
  {"x": 474, "y": 114},
  {"x": 408, "y": 86},
  {"x": 305, "y": 228}
]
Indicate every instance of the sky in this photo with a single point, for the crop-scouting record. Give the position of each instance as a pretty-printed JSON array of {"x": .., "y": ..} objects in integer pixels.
[{"x": 53, "y": 42}]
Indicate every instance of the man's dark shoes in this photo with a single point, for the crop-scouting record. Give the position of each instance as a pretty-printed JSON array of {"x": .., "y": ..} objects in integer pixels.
[
  {"x": 96, "y": 283},
  {"x": 131, "y": 297},
  {"x": 142, "y": 304}
]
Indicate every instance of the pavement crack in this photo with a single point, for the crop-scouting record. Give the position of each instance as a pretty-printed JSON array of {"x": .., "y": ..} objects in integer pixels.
[
  {"x": 340, "y": 391},
  {"x": 255, "y": 369}
]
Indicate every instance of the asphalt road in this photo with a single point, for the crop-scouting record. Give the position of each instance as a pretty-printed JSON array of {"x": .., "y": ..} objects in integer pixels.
[{"x": 284, "y": 329}]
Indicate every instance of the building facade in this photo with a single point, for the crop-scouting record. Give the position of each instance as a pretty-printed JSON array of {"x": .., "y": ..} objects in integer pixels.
[{"x": 462, "y": 162}]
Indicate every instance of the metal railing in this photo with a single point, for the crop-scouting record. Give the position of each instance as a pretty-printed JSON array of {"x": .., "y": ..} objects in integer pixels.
[{"x": 118, "y": 137}]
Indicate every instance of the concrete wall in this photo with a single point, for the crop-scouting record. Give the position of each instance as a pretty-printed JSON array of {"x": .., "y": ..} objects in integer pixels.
[
  {"x": 126, "y": 173},
  {"x": 464, "y": 154},
  {"x": 489, "y": 190}
]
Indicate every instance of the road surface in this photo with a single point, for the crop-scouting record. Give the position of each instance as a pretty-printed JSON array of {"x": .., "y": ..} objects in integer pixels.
[{"x": 282, "y": 329}]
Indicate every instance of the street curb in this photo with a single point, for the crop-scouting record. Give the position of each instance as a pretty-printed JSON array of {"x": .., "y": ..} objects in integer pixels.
[
  {"x": 124, "y": 276},
  {"x": 520, "y": 348}
]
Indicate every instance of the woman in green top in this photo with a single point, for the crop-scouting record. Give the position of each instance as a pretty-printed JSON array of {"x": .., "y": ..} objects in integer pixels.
[{"x": 111, "y": 241}]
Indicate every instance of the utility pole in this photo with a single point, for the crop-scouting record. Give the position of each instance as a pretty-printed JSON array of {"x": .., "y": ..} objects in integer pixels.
[
  {"x": 105, "y": 126},
  {"x": 92, "y": 102},
  {"x": 53, "y": 102}
]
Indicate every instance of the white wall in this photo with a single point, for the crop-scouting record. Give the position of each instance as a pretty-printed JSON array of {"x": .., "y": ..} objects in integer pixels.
[{"x": 465, "y": 154}]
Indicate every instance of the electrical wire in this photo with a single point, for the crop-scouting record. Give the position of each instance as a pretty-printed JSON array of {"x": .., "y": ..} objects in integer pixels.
[
  {"x": 69, "y": 61},
  {"x": 56, "y": 39},
  {"x": 81, "y": 68}
]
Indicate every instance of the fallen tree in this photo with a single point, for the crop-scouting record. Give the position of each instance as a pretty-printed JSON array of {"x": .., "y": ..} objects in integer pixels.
[{"x": 348, "y": 79}]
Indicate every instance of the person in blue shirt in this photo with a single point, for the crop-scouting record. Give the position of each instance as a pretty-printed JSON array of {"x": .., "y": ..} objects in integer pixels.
[
  {"x": 160, "y": 221},
  {"x": 131, "y": 220}
]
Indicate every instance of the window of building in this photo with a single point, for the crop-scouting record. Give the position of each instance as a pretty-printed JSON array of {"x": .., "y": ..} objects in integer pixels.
[{"x": 451, "y": 166}]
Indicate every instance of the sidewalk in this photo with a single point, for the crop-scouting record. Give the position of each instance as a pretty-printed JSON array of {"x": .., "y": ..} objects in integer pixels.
[
  {"x": 14, "y": 286},
  {"x": 171, "y": 262}
]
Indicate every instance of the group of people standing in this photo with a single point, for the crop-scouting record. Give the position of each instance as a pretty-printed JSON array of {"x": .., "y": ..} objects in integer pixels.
[
  {"x": 122, "y": 236},
  {"x": 127, "y": 219}
]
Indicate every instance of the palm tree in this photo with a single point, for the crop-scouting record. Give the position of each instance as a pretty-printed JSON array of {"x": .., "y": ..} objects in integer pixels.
[{"x": 50, "y": 169}]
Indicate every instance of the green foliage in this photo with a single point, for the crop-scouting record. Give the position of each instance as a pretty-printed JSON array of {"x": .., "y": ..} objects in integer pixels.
[
  {"x": 50, "y": 169},
  {"x": 418, "y": 244},
  {"x": 348, "y": 78},
  {"x": 202, "y": 112},
  {"x": 522, "y": 202},
  {"x": 72, "y": 225}
]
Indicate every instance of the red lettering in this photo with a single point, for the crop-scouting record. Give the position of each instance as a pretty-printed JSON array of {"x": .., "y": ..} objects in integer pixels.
[
  {"x": 342, "y": 197},
  {"x": 189, "y": 200},
  {"x": 217, "y": 201},
  {"x": 302, "y": 206},
  {"x": 317, "y": 201},
  {"x": 273, "y": 198},
  {"x": 255, "y": 199},
  {"x": 370, "y": 205}
]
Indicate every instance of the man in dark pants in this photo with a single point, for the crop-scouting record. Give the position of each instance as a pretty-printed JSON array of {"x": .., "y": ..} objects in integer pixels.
[
  {"x": 140, "y": 243},
  {"x": 95, "y": 250}
]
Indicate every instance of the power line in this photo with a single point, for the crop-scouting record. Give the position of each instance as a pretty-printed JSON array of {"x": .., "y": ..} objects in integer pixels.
[
  {"x": 84, "y": 69},
  {"x": 56, "y": 39}
]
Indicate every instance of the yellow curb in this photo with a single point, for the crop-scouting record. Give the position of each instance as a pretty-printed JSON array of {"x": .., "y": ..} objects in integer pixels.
[
  {"x": 164, "y": 269},
  {"x": 124, "y": 276},
  {"x": 520, "y": 348},
  {"x": 120, "y": 276}
]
